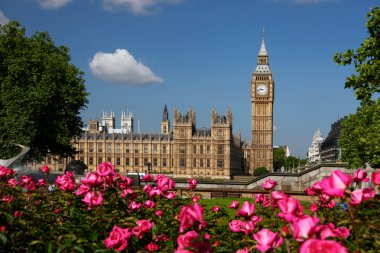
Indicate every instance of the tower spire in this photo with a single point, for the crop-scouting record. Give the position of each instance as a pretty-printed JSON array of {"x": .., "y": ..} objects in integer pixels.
[{"x": 263, "y": 51}]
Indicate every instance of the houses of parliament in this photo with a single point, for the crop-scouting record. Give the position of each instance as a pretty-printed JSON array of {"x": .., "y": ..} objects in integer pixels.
[{"x": 183, "y": 150}]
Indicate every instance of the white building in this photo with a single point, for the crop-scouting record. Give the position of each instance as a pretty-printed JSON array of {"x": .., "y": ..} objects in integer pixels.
[
  {"x": 108, "y": 123},
  {"x": 314, "y": 153}
]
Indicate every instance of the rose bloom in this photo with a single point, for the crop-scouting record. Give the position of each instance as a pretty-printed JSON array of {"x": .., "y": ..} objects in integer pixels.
[
  {"x": 13, "y": 182},
  {"x": 303, "y": 227},
  {"x": 106, "y": 169},
  {"x": 151, "y": 247},
  {"x": 3, "y": 171},
  {"x": 7, "y": 199},
  {"x": 66, "y": 182},
  {"x": 246, "y": 210},
  {"x": 245, "y": 250},
  {"x": 267, "y": 240},
  {"x": 313, "y": 207},
  {"x": 322, "y": 246},
  {"x": 195, "y": 198},
  {"x": 234, "y": 204},
  {"x": 189, "y": 216},
  {"x": 290, "y": 208},
  {"x": 82, "y": 190},
  {"x": 169, "y": 195},
  {"x": 269, "y": 184},
  {"x": 192, "y": 183},
  {"x": 360, "y": 195},
  {"x": 118, "y": 238},
  {"x": 336, "y": 184},
  {"x": 235, "y": 225},
  {"x": 376, "y": 177},
  {"x": 143, "y": 227},
  {"x": 147, "y": 178},
  {"x": 93, "y": 200},
  {"x": 149, "y": 204},
  {"x": 215, "y": 209},
  {"x": 93, "y": 179},
  {"x": 159, "y": 213},
  {"x": 45, "y": 169},
  {"x": 309, "y": 191},
  {"x": 164, "y": 183},
  {"x": 134, "y": 206},
  {"x": 360, "y": 176},
  {"x": 154, "y": 191}
]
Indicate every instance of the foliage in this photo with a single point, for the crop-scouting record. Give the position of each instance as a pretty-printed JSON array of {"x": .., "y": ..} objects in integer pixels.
[
  {"x": 260, "y": 171},
  {"x": 366, "y": 60},
  {"x": 278, "y": 158},
  {"x": 41, "y": 94},
  {"x": 360, "y": 137},
  {"x": 105, "y": 214}
]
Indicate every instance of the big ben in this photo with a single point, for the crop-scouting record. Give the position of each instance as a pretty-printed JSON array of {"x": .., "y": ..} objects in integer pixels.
[{"x": 262, "y": 97}]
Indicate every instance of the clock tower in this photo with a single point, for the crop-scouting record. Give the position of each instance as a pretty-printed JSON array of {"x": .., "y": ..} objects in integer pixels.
[{"x": 262, "y": 96}]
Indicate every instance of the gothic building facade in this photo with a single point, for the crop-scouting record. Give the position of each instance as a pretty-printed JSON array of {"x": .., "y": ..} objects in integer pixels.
[{"x": 183, "y": 150}]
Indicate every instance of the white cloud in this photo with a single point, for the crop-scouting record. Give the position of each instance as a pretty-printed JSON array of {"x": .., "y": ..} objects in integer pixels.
[
  {"x": 137, "y": 6},
  {"x": 53, "y": 4},
  {"x": 3, "y": 19},
  {"x": 122, "y": 67}
]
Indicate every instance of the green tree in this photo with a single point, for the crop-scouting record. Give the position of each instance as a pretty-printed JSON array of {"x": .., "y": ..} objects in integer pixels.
[
  {"x": 360, "y": 136},
  {"x": 278, "y": 158},
  {"x": 41, "y": 94},
  {"x": 366, "y": 60}
]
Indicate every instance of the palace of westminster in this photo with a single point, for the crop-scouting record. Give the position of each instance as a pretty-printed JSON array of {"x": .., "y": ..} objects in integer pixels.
[{"x": 184, "y": 151}]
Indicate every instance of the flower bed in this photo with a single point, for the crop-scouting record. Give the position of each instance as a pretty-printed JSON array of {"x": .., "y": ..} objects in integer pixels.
[{"x": 104, "y": 213}]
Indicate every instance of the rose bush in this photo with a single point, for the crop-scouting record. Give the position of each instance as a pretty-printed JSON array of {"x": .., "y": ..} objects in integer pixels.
[{"x": 105, "y": 213}]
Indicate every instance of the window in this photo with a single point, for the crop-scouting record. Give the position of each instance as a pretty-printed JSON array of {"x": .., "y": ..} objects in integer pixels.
[
  {"x": 91, "y": 147},
  {"x": 117, "y": 160},
  {"x": 145, "y": 148},
  {"x": 163, "y": 162},
  {"x": 91, "y": 160},
  {"x": 220, "y": 150},
  {"x": 182, "y": 149},
  {"x": 49, "y": 159},
  {"x": 155, "y": 162},
  {"x": 117, "y": 148},
  {"x": 127, "y": 162},
  {"x": 136, "y": 162},
  {"x": 201, "y": 149},
  {"x": 81, "y": 147},
  {"x": 136, "y": 148},
  {"x": 208, "y": 163},
  {"x": 201, "y": 163},
  {"x": 109, "y": 159},
  {"x": 154, "y": 148},
  {"x": 182, "y": 162},
  {"x": 164, "y": 149},
  {"x": 127, "y": 149},
  {"x": 100, "y": 160},
  {"x": 100, "y": 148},
  {"x": 194, "y": 162},
  {"x": 145, "y": 161},
  {"x": 109, "y": 148},
  {"x": 219, "y": 163},
  {"x": 194, "y": 149},
  {"x": 81, "y": 158},
  {"x": 208, "y": 149}
]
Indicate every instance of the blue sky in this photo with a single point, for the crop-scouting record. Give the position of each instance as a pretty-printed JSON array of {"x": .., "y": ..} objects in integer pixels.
[{"x": 200, "y": 54}]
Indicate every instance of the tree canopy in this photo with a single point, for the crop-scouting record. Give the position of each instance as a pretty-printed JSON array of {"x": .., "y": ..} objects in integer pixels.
[
  {"x": 41, "y": 94},
  {"x": 360, "y": 135}
]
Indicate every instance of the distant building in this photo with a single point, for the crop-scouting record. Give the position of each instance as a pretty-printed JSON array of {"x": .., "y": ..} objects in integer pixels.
[
  {"x": 314, "y": 153},
  {"x": 330, "y": 150}
]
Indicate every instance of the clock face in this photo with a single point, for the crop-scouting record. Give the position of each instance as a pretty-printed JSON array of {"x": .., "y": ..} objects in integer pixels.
[{"x": 262, "y": 89}]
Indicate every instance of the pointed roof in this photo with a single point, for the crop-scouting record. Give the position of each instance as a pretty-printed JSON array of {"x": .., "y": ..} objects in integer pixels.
[
  {"x": 165, "y": 114},
  {"x": 263, "y": 51}
]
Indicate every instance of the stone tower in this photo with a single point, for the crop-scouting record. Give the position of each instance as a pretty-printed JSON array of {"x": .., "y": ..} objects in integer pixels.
[
  {"x": 126, "y": 122},
  {"x": 165, "y": 122},
  {"x": 262, "y": 97}
]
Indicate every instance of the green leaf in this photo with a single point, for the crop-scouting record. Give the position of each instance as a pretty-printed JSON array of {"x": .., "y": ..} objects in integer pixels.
[{"x": 3, "y": 238}]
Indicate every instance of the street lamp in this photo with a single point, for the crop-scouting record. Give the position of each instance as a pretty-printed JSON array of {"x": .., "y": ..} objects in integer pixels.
[{"x": 149, "y": 167}]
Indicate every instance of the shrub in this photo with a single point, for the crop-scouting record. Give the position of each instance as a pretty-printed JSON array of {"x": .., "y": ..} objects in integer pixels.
[{"x": 260, "y": 171}]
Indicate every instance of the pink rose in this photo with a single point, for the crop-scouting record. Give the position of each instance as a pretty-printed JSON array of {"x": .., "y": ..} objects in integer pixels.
[
  {"x": 234, "y": 204},
  {"x": 360, "y": 175},
  {"x": 134, "y": 206},
  {"x": 246, "y": 210},
  {"x": 269, "y": 184},
  {"x": 309, "y": 191},
  {"x": 215, "y": 209},
  {"x": 164, "y": 183},
  {"x": 192, "y": 184},
  {"x": 82, "y": 189},
  {"x": 106, "y": 169},
  {"x": 66, "y": 182},
  {"x": 127, "y": 191},
  {"x": 7, "y": 199},
  {"x": 143, "y": 227},
  {"x": 3, "y": 171},
  {"x": 189, "y": 216},
  {"x": 277, "y": 195},
  {"x": 235, "y": 225},
  {"x": 147, "y": 178},
  {"x": 149, "y": 204},
  {"x": 170, "y": 195},
  {"x": 159, "y": 213},
  {"x": 126, "y": 182},
  {"x": 195, "y": 198},
  {"x": 93, "y": 200},
  {"x": 336, "y": 184},
  {"x": 118, "y": 238},
  {"x": 13, "y": 182},
  {"x": 245, "y": 250},
  {"x": 25, "y": 180},
  {"x": 247, "y": 227},
  {"x": 154, "y": 191},
  {"x": 360, "y": 195},
  {"x": 290, "y": 208},
  {"x": 313, "y": 207},
  {"x": 303, "y": 227},
  {"x": 92, "y": 180},
  {"x": 192, "y": 240},
  {"x": 322, "y": 246},
  {"x": 41, "y": 182},
  {"x": 376, "y": 177},
  {"x": 45, "y": 169},
  {"x": 267, "y": 240},
  {"x": 151, "y": 247},
  {"x": 186, "y": 240}
]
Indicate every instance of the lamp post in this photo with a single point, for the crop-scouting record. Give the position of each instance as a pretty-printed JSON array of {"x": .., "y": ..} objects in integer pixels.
[{"x": 149, "y": 167}]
